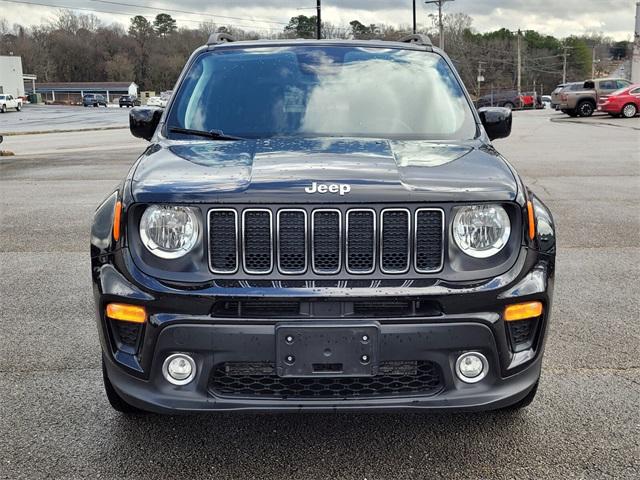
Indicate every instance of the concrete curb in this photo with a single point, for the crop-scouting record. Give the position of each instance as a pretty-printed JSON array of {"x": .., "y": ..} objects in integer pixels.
[{"x": 71, "y": 130}]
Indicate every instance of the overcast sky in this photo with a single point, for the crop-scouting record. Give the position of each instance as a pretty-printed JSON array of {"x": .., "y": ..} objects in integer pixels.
[{"x": 556, "y": 17}]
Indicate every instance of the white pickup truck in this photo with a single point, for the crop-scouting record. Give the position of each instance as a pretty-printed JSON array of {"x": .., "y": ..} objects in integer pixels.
[{"x": 9, "y": 101}]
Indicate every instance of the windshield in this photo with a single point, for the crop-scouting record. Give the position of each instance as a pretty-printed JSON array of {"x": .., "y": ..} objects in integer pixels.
[{"x": 322, "y": 91}]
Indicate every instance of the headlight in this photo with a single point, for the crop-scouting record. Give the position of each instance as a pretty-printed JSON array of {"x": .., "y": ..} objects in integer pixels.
[
  {"x": 169, "y": 231},
  {"x": 481, "y": 230}
]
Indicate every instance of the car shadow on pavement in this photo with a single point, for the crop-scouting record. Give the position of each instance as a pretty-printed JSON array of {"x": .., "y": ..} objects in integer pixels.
[{"x": 319, "y": 445}]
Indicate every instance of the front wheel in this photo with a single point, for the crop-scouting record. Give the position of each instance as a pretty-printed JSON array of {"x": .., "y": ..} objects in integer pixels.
[
  {"x": 585, "y": 108},
  {"x": 509, "y": 105},
  {"x": 18, "y": 108},
  {"x": 629, "y": 110},
  {"x": 116, "y": 401},
  {"x": 3, "y": 109}
]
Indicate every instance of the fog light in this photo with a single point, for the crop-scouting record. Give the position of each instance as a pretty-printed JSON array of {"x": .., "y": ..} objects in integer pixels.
[
  {"x": 179, "y": 369},
  {"x": 471, "y": 367}
]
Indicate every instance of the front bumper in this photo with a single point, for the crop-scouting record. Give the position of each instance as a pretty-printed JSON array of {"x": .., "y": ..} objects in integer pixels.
[{"x": 182, "y": 321}]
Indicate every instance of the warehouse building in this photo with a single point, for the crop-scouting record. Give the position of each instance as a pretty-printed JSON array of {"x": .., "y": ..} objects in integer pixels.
[
  {"x": 11, "y": 77},
  {"x": 72, "y": 92}
]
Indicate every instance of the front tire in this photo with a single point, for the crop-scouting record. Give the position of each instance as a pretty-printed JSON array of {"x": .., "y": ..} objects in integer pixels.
[
  {"x": 3, "y": 109},
  {"x": 18, "y": 108},
  {"x": 585, "y": 108},
  {"x": 629, "y": 110},
  {"x": 116, "y": 401},
  {"x": 509, "y": 105}
]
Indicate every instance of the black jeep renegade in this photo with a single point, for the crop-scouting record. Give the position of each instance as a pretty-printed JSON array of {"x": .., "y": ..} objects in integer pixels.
[{"x": 321, "y": 225}]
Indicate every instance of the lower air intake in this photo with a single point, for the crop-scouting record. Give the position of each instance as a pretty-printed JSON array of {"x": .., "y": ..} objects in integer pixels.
[{"x": 259, "y": 380}]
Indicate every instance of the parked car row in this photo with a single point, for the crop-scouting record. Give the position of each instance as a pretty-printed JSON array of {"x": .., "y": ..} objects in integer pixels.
[
  {"x": 511, "y": 99},
  {"x": 615, "y": 96}
]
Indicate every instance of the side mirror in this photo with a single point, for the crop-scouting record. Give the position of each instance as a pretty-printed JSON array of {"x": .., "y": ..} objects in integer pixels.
[
  {"x": 496, "y": 121},
  {"x": 143, "y": 121}
]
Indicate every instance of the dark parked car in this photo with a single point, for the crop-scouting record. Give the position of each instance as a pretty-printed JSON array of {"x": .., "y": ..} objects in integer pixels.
[
  {"x": 507, "y": 99},
  {"x": 94, "y": 100},
  {"x": 294, "y": 238},
  {"x": 128, "y": 101}
]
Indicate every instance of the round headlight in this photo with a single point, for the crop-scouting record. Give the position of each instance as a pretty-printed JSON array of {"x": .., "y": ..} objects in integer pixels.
[
  {"x": 169, "y": 231},
  {"x": 481, "y": 230}
]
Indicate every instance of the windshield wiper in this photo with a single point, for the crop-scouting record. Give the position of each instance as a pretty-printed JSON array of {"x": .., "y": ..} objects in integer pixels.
[{"x": 213, "y": 134}]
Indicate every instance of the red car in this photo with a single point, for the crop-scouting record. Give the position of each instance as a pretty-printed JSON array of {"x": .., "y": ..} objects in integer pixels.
[{"x": 625, "y": 102}]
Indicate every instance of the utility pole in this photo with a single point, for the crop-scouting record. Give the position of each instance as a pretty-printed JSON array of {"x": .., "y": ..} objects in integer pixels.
[
  {"x": 565, "y": 54},
  {"x": 414, "y": 17},
  {"x": 440, "y": 3},
  {"x": 519, "y": 65},
  {"x": 318, "y": 20},
  {"x": 593, "y": 61}
]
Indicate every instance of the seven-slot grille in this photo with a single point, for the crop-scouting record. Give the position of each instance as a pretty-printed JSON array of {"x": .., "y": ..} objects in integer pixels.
[{"x": 325, "y": 240}]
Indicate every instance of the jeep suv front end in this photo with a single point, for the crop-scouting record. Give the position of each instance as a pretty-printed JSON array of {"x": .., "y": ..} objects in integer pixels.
[{"x": 302, "y": 235}]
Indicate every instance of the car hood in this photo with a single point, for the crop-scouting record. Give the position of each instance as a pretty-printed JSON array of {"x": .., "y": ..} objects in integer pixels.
[{"x": 279, "y": 171}]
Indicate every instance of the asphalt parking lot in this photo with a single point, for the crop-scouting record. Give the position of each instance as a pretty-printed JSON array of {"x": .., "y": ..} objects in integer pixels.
[
  {"x": 42, "y": 118},
  {"x": 55, "y": 421}
]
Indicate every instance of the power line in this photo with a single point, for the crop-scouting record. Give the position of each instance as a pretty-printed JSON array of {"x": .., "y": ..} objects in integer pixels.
[
  {"x": 188, "y": 12},
  {"x": 93, "y": 10}
]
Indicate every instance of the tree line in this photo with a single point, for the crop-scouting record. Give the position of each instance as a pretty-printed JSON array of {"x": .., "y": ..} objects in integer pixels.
[{"x": 80, "y": 47}]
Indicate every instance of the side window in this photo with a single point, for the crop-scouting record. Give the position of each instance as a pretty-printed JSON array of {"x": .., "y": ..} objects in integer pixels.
[
  {"x": 635, "y": 91},
  {"x": 608, "y": 85}
]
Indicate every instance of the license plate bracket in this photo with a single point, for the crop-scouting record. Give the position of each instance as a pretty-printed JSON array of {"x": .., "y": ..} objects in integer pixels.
[{"x": 327, "y": 350}]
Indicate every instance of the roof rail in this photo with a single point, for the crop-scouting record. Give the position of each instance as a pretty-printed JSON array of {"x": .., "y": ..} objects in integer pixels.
[
  {"x": 220, "y": 37},
  {"x": 418, "y": 38}
]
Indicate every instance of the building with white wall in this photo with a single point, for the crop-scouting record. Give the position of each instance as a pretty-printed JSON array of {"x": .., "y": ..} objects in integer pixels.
[{"x": 11, "y": 81}]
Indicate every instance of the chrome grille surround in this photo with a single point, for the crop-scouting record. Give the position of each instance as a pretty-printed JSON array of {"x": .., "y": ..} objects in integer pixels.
[
  {"x": 237, "y": 240},
  {"x": 278, "y": 239},
  {"x": 382, "y": 242},
  {"x": 415, "y": 240},
  {"x": 317, "y": 270},
  {"x": 336, "y": 248},
  {"x": 374, "y": 243},
  {"x": 245, "y": 237}
]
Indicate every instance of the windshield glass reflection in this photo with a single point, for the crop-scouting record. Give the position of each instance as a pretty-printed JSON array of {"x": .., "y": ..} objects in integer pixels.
[{"x": 323, "y": 91}]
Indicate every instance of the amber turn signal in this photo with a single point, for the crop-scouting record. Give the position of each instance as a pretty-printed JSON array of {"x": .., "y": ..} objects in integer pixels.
[
  {"x": 521, "y": 311},
  {"x": 116, "y": 221},
  {"x": 126, "y": 313},
  {"x": 532, "y": 223}
]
